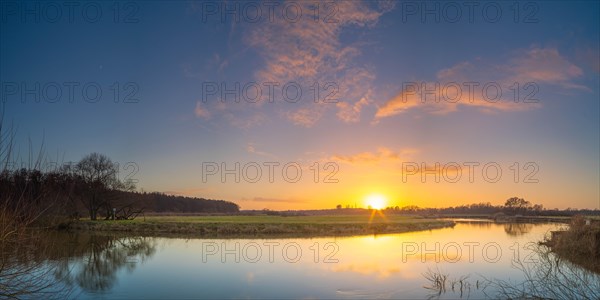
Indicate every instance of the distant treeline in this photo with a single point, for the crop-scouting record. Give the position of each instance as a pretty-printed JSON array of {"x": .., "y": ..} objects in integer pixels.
[
  {"x": 91, "y": 188},
  {"x": 512, "y": 206},
  {"x": 163, "y": 203}
]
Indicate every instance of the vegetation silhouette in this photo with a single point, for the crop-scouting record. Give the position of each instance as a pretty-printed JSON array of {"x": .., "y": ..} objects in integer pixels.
[
  {"x": 94, "y": 266},
  {"x": 546, "y": 275}
]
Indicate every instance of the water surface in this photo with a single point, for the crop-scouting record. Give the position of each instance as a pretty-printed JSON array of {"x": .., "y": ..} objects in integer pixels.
[{"x": 382, "y": 266}]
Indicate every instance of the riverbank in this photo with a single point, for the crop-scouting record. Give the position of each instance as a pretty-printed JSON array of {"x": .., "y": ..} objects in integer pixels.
[
  {"x": 264, "y": 226},
  {"x": 579, "y": 244},
  {"x": 502, "y": 218}
]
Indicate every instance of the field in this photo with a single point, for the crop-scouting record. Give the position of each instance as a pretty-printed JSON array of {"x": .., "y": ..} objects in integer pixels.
[
  {"x": 263, "y": 225},
  {"x": 283, "y": 219}
]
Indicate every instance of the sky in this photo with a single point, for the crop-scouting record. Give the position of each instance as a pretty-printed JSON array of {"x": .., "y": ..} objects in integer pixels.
[{"x": 307, "y": 105}]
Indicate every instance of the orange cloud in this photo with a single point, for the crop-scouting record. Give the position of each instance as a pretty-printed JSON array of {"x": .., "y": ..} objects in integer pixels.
[
  {"x": 545, "y": 66},
  {"x": 446, "y": 99},
  {"x": 351, "y": 112},
  {"x": 251, "y": 148},
  {"x": 476, "y": 84},
  {"x": 306, "y": 117},
  {"x": 382, "y": 154},
  {"x": 309, "y": 52},
  {"x": 276, "y": 200},
  {"x": 201, "y": 112}
]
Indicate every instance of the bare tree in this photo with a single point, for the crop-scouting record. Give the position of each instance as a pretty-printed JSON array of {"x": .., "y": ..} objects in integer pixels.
[
  {"x": 99, "y": 174},
  {"x": 23, "y": 201},
  {"x": 517, "y": 205}
]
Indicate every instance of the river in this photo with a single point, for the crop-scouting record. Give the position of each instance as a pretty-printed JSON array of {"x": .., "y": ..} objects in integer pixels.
[{"x": 472, "y": 260}]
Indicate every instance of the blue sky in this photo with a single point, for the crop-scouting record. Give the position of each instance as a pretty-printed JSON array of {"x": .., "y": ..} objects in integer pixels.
[{"x": 162, "y": 54}]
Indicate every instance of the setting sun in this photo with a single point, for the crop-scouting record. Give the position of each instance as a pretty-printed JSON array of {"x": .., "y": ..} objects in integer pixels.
[
  {"x": 376, "y": 201},
  {"x": 464, "y": 165}
]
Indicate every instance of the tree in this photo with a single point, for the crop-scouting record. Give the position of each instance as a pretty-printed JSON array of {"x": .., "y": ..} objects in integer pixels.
[
  {"x": 538, "y": 208},
  {"x": 516, "y": 204},
  {"x": 339, "y": 206},
  {"x": 99, "y": 175}
]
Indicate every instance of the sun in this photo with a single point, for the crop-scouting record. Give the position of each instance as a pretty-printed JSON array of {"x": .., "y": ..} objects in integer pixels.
[{"x": 376, "y": 201}]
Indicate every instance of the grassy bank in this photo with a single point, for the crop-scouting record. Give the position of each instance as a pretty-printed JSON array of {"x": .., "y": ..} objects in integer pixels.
[
  {"x": 230, "y": 226},
  {"x": 579, "y": 244}
]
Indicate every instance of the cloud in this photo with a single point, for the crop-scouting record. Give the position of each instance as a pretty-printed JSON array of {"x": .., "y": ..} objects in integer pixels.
[
  {"x": 201, "y": 112},
  {"x": 438, "y": 169},
  {"x": 271, "y": 200},
  {"x": 305, "y": 117},
  {"x": 382, "y": 154},
  {"x": 351, "y": 112},
  {"x": 309, "y": 52},
  {"x": 446, "y": 98},
  {"x": 246, "y": 122},
  {"x": 396, "y": 105},
  {"x": 251, "y": 148},
  {"x": 545, "y": 65},
  {"x": 476, "y": 84}
]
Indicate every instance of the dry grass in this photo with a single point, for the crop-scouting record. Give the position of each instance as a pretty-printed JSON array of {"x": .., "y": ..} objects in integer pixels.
[
  {"x": 20, "y": 275},
  {"x": 225, "y": 226},
  {"x": 579, "y": 244},
  {"x": 550, "y": 277},
  {"x": 440, "y": 283},
  {"x": 268, "y": 219}
]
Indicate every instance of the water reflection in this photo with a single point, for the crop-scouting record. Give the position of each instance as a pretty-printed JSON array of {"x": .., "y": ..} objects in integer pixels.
[
  {"x": 60, "y": 262},
  {"x": 512, "y": 229},
  {"x": 516, "y": 229},
  {"x": 94, "y": 267},
  {"x": 390, "y": 265},
  {"x": 545, "y": 276},
  {"x": 550, "y": 277}
]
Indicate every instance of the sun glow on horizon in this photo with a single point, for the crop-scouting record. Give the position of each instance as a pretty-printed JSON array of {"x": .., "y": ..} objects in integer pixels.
[{"x": 376, "y": 201}]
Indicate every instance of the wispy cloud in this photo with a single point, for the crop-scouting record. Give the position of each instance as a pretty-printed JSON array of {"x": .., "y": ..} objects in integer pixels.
[
  {"x": 306, "y": 117},
  {"x": 382, "y": 154},
  {"x": 272, "y": 200},
  {"x": 200, "y": 111},
  {"x": 307, "y": 52},
  {"x": 464, "y": 84},
  {"x": 351, "y": 112},
  {"x": 409, "y": 99},
  {"x": 545, "y": 65},
  {"x": 246, "y": 122},
  {"x": 251, "y": 148}
]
